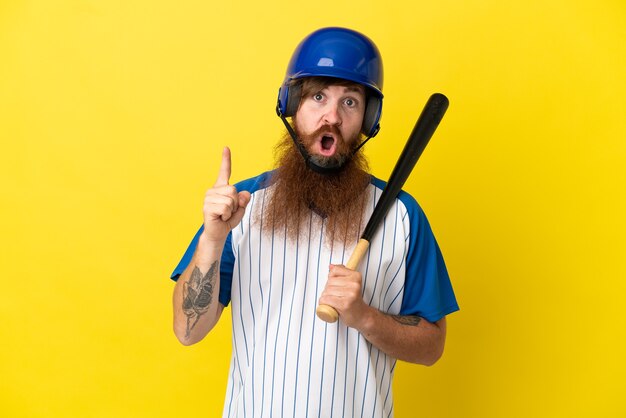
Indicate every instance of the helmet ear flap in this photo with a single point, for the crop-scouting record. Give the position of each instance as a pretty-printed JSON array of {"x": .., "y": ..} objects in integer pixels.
[
  {"x": 373, "y": 109},
  {"x": 293, "y": 99},
  {"x": 371, "y": 117}
]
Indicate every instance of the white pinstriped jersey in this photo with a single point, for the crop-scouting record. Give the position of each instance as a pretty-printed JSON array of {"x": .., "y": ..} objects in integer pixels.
[{"x": 285, "y": 361}]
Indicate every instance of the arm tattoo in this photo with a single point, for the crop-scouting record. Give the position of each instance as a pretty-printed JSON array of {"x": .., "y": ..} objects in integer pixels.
[
  {"x": 197, "y": 295},
  {"x": 407, "y": 320}
]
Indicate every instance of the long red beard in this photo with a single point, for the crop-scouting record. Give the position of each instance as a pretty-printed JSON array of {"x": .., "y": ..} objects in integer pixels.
[{"x": 337, "y": 198}]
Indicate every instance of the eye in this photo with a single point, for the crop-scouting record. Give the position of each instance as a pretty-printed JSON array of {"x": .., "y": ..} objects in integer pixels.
[
  {"x": 350, "y": 102},
  {"x": 318, "y": 97}
]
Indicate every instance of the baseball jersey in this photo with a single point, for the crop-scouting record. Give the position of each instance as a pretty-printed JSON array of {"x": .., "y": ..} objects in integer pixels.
[{"x": 285, "y": 361}]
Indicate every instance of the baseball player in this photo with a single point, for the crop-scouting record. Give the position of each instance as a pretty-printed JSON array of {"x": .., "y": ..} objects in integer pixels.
[{"x": 274, "y": 247}]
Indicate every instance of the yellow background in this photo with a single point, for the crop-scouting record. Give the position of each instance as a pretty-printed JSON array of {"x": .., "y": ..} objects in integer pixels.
[{"x": 112, "y": 118}]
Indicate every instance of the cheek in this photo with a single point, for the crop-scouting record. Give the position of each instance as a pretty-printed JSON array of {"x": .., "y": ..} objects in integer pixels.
[
  {"x": 353, "y": 128},
  {"x": 305, "y": 121}
]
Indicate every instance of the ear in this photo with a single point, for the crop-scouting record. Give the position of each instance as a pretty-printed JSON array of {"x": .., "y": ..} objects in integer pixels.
[{"x": 371, "y": 117}]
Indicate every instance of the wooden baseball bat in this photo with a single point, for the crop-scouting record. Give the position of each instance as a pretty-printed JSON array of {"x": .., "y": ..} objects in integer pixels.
[{"x": 424, "y": 128}]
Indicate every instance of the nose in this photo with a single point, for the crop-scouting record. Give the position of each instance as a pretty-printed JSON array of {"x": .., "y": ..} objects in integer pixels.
[{"x": 331, "y": 116}]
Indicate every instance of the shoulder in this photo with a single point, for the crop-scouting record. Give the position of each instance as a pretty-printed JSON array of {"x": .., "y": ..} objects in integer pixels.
[{"x": 254, "y": 184}]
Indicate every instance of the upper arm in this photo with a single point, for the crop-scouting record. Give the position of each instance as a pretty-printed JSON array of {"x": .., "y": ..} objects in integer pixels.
[
  {"x": 218, "y": 315},
  {"x": 442, "y": 325}
]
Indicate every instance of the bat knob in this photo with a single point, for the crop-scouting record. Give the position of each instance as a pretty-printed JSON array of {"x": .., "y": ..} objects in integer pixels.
[{"x": 327, "y": 313}]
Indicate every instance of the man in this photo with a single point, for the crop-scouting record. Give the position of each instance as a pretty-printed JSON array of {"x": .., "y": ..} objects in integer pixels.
[{"x": 274, "y": 246}]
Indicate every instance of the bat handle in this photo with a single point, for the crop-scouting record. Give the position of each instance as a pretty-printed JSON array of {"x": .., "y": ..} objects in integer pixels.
[{"x": 328, "y": 313}]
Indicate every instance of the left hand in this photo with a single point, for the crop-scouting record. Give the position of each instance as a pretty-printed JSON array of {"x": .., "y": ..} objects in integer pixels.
[{"x": 343, "y": 292}]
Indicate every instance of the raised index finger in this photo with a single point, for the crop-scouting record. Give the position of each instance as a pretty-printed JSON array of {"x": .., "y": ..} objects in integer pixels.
[{"x": 224, "y": 174}]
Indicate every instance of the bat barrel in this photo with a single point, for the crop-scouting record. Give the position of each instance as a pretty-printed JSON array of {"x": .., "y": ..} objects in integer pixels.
[{"x": 424, "y": 128}]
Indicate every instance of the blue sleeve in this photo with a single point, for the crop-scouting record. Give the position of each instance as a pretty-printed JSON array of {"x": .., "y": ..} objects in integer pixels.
[
  {"x": 428, "y": 291},
  {"x": 226, "y": 266}
]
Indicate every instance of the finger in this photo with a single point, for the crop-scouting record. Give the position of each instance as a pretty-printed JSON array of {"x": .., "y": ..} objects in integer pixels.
[
  {"x": 339, "y": 270},
  {"x": 220, "y": 192},
  {"x": 223, "y": 176},
  {"x": 342, "y": 287},
  {"x": 221, "y": 211},
  {"x": 221, "y": 200},
  {"x": 329, "y": 301}
]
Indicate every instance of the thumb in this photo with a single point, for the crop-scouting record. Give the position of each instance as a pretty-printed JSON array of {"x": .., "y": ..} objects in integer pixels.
[
  {"x": 223, "y": 176},
  {"x": 244, "y": 199}
]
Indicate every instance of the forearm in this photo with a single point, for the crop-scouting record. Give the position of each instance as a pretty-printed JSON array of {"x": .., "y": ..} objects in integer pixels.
[
  {"x": 196, "y": 305},
  {"x": 407, "y": 338}
]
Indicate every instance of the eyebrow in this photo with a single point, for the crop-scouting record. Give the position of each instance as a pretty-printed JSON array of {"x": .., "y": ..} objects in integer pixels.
[{"x": 356, "y": 89}]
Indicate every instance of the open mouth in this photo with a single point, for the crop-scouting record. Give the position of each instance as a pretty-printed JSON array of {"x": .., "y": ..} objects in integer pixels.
[
  {"x": 327, "y": 145},
  {"x": 327, "y": 142}
]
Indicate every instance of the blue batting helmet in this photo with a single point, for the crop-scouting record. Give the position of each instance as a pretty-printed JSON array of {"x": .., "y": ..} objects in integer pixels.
[{"x": 339, "y": 53}]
